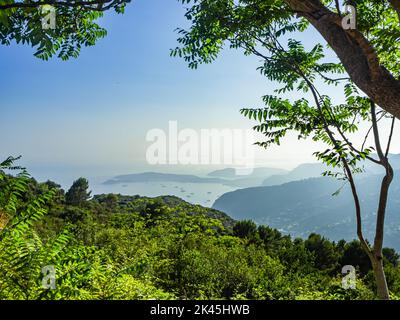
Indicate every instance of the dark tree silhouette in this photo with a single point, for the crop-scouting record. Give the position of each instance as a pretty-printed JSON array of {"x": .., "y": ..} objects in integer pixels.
[{"x": 78, "y": 194}]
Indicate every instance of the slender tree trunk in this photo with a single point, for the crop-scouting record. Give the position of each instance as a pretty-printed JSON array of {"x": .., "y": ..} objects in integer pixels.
[
  {"x": 376, "y": 254},
  {"x": 380, "y": 278}
]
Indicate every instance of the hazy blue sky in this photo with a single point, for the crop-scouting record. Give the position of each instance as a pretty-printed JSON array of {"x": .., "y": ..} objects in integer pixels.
[{"x": 92, "y": 113}]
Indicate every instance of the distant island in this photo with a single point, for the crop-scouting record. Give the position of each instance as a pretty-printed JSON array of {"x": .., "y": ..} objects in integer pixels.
[
  {"x": 162, "y": 177},
  {"x": 232, "y": 173},
  {"x": 228, "y": 176}
]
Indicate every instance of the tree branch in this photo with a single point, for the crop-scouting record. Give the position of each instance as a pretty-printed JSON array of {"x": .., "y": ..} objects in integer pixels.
[
  {"x": 385, "y": 185},
  {"x": 390, "y": 137},
  {"x": 376, "y": 134},
  {"x": 355, "y": 52},
  {"x": 95, "y": 5},
  {"x": 396, "y": 6},
  {"x": 338, "y": 7}
]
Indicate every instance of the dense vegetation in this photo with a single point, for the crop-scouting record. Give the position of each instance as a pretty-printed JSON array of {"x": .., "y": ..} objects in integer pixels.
[
  {"x": 367, "y": 64},
  {"x": 132, "y": 247},
  {"x": 301, "y": 105}
]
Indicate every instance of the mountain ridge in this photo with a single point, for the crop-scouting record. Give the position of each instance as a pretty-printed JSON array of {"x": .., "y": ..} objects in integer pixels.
[{"x": 305, "y": 206}]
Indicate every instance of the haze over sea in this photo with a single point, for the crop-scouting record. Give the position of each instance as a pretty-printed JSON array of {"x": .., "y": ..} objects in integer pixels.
[{"x": 197, "y": 193}]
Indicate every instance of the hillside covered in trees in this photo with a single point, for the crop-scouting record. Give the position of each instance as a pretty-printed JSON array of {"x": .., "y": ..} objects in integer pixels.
[
  {"x": 131, "y": 247},
  {"x": 322, "y": 205}
]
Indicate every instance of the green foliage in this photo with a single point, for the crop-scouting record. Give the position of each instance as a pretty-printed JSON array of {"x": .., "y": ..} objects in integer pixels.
[
  {"x": 265, "y": 29},
  {"x": 247, "y": 24},
  {"x": 121, "y": 247},
  {"x": 354, "y": 255},
  {"x": 81, "y": 271},
  {"x": 326, "y": 255},
  {"x": 78, "y": 194},
  {"x": 245, "y": 229},
  {"x": 76, "y": 26}
]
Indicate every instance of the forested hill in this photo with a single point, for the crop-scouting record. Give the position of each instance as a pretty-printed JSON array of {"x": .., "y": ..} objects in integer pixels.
[
  {"x": 302, "y": 207},
  {"x": 177, "y": 205}
]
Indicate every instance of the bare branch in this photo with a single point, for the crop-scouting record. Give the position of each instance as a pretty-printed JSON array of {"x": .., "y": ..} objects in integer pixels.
[
  {"x": 390, "y": 137},
  {"x": 376, "y": 134},
  {"x": 338, "y": 7}
]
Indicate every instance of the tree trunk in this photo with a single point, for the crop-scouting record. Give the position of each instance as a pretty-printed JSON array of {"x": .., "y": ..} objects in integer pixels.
[
  {"x": 376, "y": 254},
  {"x": 380, "y": 278},
  {"x": 356, "y": 53},
  {"x": 396, "y": 5}
]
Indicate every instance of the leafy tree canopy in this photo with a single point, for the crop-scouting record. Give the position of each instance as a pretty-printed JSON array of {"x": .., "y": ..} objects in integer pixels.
[
  {"x": 369, "y": 54},
  {"x": 75, "y": 25},
  {"x": 78, "y": 193}
]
